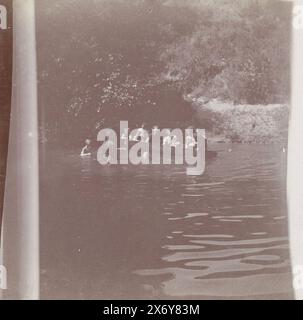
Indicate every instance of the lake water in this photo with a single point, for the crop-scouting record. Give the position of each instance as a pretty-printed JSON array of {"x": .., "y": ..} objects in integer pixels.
[{"x": 153, "y": 232}]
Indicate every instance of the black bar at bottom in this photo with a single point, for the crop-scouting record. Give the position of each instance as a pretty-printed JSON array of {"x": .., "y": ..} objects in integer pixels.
[{"x": 130, "y": 309}]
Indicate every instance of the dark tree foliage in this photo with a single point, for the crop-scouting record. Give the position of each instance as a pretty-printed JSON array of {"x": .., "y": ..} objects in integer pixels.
[{"x": 103, "y": 61}]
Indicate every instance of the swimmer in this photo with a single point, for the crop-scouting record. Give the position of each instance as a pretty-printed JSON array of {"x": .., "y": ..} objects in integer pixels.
[{"x": 86, "y": 150}]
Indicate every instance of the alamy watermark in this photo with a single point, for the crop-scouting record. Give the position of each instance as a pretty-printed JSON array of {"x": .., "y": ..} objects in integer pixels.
[
  {"x": 298, "y": 17},
  {"x": 3, "y": 278},
  {"x": 298, "y": 277},
  {"x": 3, "y": 17},
  {"x": 156, "y": 147}
]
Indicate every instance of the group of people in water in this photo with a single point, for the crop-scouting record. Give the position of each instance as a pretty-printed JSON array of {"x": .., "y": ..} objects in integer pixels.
[{"x": 140, "y": 135}]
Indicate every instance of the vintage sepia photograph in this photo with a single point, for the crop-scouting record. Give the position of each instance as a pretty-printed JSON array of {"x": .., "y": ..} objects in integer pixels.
[{"x": 144, "y": 149}]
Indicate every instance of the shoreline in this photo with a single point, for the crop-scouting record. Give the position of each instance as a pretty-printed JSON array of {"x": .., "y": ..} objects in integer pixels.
[{"x": 242, "y": 123}]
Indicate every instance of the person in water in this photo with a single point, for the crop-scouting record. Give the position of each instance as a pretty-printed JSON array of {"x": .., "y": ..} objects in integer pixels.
[{"x": 86, "y": 150}]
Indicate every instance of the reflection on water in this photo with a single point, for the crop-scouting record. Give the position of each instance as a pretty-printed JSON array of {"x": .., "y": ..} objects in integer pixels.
[{"x": 154, "y": 232}]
